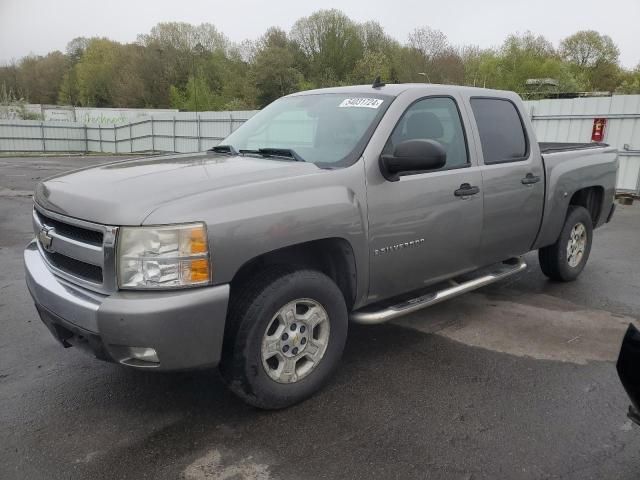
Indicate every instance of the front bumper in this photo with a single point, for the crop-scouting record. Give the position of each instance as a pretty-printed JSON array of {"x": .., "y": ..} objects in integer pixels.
[
  {"x": 184, "y": 327},
  {"x": 628, "y": 367}
]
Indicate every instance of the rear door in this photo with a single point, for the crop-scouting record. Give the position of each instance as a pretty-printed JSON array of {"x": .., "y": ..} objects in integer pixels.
[
  {"x": 512, "y": 178},
  {"x": 420, "y": 231}
]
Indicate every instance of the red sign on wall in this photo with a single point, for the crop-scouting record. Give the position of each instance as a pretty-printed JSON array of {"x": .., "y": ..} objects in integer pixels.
[{"x": 597, "y": 133}]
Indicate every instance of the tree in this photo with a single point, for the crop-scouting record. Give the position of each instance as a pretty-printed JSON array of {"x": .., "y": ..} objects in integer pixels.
[
  {"x": 40, "y": 77},
  {"x": 184, "y": 65},
  {"x": 593, "y": 58},
  {"x": 374, "y": 38},
  {"x": 76, "y": 48},
  {"x": 196, "y": 97},
  {"x": 525, "y": 56},
  {"x": 587, "y": 48},
  {"x": 370, "y": 66},
  {"x": 95, "y": 72},
  {"x": 274, "y": 67},
  {"x": 630, "y": 81},
  {"x": 435, "y": 58},
  {"x": 184, "y": 37},
  {"x": 9, "y": 77},
  {"x": 429, "y": 42},
  {"x": 330, "y": 44}
]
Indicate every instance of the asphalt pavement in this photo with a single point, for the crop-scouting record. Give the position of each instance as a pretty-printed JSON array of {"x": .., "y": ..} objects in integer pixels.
[{"x": 514, "y": 381}]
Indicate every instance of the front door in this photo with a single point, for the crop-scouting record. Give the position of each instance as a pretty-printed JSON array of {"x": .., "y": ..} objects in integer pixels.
[{"x": 424, "y": 228}]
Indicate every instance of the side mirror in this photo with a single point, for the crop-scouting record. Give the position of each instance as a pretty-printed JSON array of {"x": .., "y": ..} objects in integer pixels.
[{"x": 412, "y": 156}]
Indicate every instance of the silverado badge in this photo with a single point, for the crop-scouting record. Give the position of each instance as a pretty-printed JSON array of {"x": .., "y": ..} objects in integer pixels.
[{"x": 399, "y": 246}]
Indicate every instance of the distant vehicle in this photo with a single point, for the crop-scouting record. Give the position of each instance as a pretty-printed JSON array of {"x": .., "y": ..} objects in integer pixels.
[
  {"x": 365, "y": 202},
  {"x": 628, "y": 367}
]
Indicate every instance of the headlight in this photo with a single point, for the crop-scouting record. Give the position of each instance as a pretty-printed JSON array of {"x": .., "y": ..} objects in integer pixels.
[{"x": 163, "y": 257}]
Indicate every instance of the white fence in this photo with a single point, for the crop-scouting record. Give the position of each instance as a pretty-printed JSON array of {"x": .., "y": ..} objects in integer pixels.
[
  {"x": 181, "y": 132},
  {"x": 571, "y": 120}
]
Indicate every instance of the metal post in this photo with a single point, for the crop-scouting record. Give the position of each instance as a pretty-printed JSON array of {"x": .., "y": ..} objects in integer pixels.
[
  {"x": 44, "y": 143},
  {"x": 174, "y": 133},
  {"x": 86, "y": 139},
  {"x": 115, "y": 138},
  {"x": 230, "y": 123},
  {"x": 198, "y": 127},
  {"x": 153, "y": 140},
  {"x": 100, "y": 136},
  {"x": 130, "y": 138}
]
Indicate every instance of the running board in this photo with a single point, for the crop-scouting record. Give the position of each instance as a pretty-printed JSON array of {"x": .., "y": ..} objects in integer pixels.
[{"x": 501, "y": 271}]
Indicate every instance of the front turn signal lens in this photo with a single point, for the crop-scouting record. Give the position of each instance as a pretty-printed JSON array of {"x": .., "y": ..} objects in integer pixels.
[{"x": 198, "y": 270}]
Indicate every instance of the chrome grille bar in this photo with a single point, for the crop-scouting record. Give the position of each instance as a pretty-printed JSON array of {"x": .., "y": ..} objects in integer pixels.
[{"x": 69, "y": 248}]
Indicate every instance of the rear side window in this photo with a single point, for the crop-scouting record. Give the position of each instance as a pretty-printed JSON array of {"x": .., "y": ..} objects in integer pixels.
[{"x": 501, "y": 131}]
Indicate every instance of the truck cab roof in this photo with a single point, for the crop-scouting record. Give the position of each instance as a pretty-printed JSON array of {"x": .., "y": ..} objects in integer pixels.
[{"x": 395, "y": 89}]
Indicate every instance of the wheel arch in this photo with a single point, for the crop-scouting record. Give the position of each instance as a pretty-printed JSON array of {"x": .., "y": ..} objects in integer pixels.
[
  {"x": 332, "y": 256},
  {"x": 590, "y": 198}
]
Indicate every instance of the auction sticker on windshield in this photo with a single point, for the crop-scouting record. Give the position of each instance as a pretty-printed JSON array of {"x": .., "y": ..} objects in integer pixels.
[{"x": 361, "y": 102}]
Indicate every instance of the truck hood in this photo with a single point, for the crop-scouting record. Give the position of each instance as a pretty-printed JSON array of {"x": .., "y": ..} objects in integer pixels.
[{"x": 126, "y": 192}]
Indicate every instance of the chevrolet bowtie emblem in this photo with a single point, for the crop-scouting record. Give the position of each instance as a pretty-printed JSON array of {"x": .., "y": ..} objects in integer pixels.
[{"x": 45, "y": 238}]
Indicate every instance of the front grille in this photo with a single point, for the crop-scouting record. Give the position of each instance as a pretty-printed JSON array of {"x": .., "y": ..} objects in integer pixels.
[
  {"x": 76, "y": 249},
  {"x": 84, "y": 270},
  {"x": 74, "y": 232}
]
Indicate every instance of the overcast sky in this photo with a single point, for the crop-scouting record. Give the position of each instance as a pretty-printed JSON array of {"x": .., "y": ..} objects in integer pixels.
[{"x": 40, "y": 26}]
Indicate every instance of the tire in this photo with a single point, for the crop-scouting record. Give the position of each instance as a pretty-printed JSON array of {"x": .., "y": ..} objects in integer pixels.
[
  {"x": 257, "y": 323},
  {"x": 556, "y": 261}
]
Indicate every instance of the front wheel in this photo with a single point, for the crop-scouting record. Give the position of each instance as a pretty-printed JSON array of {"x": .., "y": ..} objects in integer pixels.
[
  {"x": 286, "y": 336},
  {"x": 565, "y": 259}
]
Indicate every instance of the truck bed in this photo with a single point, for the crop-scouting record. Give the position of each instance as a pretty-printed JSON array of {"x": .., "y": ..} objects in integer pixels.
[
  {"x": 569, "y": 167},
  {"x": 550, "y": 147}
]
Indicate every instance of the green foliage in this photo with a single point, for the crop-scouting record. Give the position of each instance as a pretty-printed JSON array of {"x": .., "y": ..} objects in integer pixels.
[
  {"x": 371, "y": 65},
  {"x": 593, "y": 59},
  {"x": 630, "y": 82},
  {"x": 95, "y": 72},
  {"x": 196, "y": 67},
  {"x": 197, "y": 96},
  {"x": 330, "y": 44},
  {"x": 526, "y": 56},
  {"x": 274, "y": 71}
]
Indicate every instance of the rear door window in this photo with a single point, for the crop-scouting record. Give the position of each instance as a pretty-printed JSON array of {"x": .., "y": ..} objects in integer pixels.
[{"x": 501, "y": 131}]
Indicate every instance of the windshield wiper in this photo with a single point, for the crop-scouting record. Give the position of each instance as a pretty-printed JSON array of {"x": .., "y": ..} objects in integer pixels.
[
  {"x": 228, "y": 149},
  {"x": 276, "y": 152}
]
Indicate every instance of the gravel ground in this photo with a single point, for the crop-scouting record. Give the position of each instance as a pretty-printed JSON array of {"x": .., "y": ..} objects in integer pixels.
[{"x": 514, "y": 381}]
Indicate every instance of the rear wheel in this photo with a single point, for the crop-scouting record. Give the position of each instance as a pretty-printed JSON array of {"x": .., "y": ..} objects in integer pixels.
[
  {"x": 565, "y": 259},
  {"x": 286, "y": 336}
]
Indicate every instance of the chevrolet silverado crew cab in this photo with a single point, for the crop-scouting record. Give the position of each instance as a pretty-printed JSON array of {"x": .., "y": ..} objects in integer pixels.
[{"x": 355, "y": 203}]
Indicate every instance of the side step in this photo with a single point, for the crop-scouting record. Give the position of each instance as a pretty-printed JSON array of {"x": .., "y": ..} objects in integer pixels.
[{"x": 499, "y": 272}]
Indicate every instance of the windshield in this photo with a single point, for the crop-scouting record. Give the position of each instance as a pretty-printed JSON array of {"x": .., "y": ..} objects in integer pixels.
[{"x": 327, "y": 129}]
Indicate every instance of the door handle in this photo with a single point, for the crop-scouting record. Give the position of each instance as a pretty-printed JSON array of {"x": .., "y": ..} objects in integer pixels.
[
  {"x": 530, "y": 179},
  {"x": 465, "y": 190}
]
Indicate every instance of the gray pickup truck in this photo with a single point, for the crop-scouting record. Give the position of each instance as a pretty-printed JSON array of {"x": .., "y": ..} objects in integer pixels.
[{"x": 362, "y": 203}]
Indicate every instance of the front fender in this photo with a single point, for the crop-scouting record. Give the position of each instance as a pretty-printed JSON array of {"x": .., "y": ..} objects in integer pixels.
[{"x": 247, "y": 221}]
